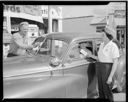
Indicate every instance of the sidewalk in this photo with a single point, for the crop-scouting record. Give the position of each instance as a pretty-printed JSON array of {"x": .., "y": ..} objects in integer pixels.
[{"x": 120, "y": 97}]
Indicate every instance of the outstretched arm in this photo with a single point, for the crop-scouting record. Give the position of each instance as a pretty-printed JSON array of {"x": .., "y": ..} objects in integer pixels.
[
  {"x": 19, "y": 41},
  {"x": 94, "y": 57}
]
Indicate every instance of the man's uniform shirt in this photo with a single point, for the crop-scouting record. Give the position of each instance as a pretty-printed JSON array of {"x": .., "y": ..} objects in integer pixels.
[{"x": 18, "y": 44}]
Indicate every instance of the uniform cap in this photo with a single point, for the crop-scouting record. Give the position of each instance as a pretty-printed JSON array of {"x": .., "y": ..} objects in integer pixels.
[
  {"x": 24, "y": 23},
  {"x": 109, "y": 30}
]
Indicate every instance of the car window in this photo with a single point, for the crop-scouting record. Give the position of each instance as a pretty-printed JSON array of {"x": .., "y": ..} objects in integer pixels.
[
  {"x": 76, "y": 55},
  {"x": 97, "y": 42},
  {"x": 60, "y": 48},
  {"x": 45, "y": 47}
]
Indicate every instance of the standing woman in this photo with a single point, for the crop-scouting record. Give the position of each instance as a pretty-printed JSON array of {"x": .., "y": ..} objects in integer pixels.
[{"x": 106, "y": 66}]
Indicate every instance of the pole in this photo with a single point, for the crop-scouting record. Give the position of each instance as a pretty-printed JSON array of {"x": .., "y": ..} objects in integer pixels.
[
  {"x": 50, "y": 29},
  {"x": 49, "y": 20}
]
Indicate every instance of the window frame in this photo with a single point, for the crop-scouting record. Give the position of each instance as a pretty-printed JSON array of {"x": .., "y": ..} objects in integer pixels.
[{"x": 71, "y": 46}]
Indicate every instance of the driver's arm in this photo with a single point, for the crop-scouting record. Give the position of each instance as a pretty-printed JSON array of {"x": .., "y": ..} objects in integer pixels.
[{"x": 19, "y": 41}]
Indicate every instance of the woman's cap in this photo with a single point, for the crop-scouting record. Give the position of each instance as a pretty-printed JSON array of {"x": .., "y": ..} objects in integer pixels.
[{"x": 110, "y": 31}]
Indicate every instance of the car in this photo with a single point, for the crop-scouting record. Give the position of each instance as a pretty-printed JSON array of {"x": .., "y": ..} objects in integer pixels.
[{"x": 54, "y": 70}]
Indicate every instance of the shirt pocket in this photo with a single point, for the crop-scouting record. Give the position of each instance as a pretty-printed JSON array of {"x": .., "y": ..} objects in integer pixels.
[{"x": 106, "y": 52}]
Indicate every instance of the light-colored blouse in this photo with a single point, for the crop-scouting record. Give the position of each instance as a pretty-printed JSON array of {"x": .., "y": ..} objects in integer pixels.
[{"x": 107, "y": 53}]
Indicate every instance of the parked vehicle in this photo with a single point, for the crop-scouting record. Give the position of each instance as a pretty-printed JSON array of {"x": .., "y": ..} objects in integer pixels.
[{"x": 55, "y": 70}]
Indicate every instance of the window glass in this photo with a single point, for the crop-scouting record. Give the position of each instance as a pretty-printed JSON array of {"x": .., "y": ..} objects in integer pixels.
[
  {"x": 121, "y": 35},
  {"x": 60, "y": 48},
  {"x": 97, "y": 42},
  {"x": 54, "y": 48},
  {"x": 76, "y": 53},
  {"x": 45, "y": 47}
]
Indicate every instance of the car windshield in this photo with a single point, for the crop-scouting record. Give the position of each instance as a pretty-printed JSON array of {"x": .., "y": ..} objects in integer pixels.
[
  {"x": 56, "y": 48},
  {"x": 48, "y": 47}
]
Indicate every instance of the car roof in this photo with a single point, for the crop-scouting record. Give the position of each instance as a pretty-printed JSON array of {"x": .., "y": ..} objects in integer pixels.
[{"x": 69, "y": 37}]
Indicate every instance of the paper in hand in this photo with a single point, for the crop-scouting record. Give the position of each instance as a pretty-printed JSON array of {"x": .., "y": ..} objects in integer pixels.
[{"x": 83, "y": 52}]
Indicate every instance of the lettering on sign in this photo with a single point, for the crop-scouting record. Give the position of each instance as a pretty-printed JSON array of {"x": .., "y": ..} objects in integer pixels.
[
  {"x": 32, "y": 9},
  {"x": 29, "y": 9},
  {"x": 120, "y": 14},
  {"x": 45, "y": 11},
  {"x": 33, "y": 29},
  {"x": 12, "y": 8}
]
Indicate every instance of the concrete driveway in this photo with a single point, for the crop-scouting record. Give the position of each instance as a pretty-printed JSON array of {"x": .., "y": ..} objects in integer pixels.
[{"x": 120, "y": 97}]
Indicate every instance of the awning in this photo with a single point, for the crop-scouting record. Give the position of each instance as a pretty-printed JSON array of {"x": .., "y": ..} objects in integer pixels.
[
  {"x": 98, "y": 20},
  {"x": 102, "y": 20},
  {"x": 24, "y": 16}
]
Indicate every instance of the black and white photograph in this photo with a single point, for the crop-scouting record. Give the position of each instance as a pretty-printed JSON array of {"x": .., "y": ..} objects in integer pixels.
[{"x": 64, "y": 51}]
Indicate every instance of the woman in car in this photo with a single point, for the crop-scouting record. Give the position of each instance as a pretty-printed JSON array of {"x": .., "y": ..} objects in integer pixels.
[
  {"x": 108, "y": 55},
  {"x": 83, "y": 49}
]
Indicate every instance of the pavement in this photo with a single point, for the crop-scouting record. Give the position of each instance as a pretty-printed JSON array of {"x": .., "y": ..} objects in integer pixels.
[{"x": 120, "y": 97}]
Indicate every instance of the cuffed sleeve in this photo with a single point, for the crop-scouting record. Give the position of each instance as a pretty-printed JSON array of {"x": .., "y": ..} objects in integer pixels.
[
  {"x": 19, "y": 41},
  {"x": 115, "y": 51}
]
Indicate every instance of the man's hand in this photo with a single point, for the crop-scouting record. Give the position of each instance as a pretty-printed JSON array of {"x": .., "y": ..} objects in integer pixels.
[
  {"x": 36, "y": 44},
  {"x": 30, "y": 47}
]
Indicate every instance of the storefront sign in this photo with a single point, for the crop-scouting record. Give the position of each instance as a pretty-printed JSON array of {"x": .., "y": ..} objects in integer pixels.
[
  {"x": 12, "y": 8},
  {"x": 32, "y": 9},
  {"x": 44, "y": 11},
  {"x": 56, "y": 11},
  {"x": 29, "y": 9},
  {"x": 120, "y": 14}
]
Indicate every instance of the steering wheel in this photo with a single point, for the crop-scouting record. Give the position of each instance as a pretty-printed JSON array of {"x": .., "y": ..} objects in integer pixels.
[
  {"x": 34, "y": 50},
  {"x": 37, "y": 43}
]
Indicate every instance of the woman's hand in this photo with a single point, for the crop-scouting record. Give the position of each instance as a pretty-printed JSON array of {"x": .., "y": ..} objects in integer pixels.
[
  {"x": 89, "y": 55},
  {"x": 109, "y": 81}
]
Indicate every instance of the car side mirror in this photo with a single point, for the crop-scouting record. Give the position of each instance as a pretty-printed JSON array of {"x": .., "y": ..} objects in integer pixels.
[{"x": 54, "y": 62}]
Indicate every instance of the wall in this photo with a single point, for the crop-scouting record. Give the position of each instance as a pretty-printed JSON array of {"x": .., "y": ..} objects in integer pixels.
[{"x": 78, "y": 24}]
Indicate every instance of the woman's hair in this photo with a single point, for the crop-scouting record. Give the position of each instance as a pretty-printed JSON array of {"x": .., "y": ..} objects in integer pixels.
[
  {"x": 109, "y": 36},
  {"x": 80, "y": 44},
  {"x": 117, "y": 43}
]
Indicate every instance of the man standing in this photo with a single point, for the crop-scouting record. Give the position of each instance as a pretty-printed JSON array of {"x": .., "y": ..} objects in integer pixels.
[{"x": 19, "y": 42}]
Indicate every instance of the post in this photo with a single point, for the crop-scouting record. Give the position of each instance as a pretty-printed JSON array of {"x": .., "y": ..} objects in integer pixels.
[
  {"x": 50, "y": 29},
  {"x": 49, "y": 20}
]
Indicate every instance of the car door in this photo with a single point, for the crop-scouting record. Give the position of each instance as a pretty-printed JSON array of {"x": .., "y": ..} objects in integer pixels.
[
  {"x": 92, "y": 82},
  {"x": 76, "y": 70}
]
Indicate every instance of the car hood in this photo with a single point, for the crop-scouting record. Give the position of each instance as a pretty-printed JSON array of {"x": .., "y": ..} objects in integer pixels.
[{"x": 25, "y": 65}]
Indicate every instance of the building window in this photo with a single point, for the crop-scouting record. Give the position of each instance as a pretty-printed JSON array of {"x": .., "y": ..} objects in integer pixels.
[
  {"x": 45, "y": 20},
  {"x": 100, "y": 28},
  {"x": 55, "y": 25},
  {"x": 121, "y": 35}
]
